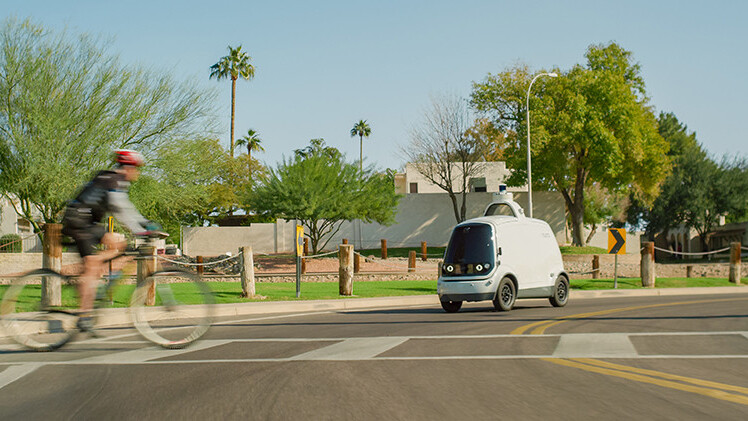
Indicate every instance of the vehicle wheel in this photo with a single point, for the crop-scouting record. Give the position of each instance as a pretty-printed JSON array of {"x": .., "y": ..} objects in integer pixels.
[
  {"x": 560, "y": 292},
  {"x": 182, "y": 309},
  {"x": 506, "y": 294},
  {"x": 451, "y": 306},
  {"x": 32, "y": 323}
]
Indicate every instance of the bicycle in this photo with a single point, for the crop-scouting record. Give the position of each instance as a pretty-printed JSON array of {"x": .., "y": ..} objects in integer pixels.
[{"x": 159, "y": 306}]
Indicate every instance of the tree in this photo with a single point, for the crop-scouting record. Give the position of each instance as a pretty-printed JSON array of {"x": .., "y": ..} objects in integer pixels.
[
  {"x": 234, "y": 65},
  {"x": 698, "y": 191},
  {"x": 591, "y": 125},
  {"x": 253, "y": 142},
  {"x": 361, "y": 129},
  {"x": 442, "y": 150},
  {"x": 66, "y": 103},
  {"x": 321, "y": 190},
  {"x": 177, "y": 186}
]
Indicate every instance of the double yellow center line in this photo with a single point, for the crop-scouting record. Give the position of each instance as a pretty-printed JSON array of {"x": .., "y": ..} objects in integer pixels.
[
  {"x": 539, "y": 328},
  {"x": 726, "y": 392},
  {"x": 672, "y": 381}
]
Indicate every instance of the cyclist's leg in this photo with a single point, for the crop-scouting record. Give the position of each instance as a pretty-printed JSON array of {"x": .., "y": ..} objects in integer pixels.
[{"x": 93, "y": 264}]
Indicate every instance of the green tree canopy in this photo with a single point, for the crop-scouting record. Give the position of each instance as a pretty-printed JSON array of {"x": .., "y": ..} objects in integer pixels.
[
  {"x": 321, "y": 190},
  {"x": 66, "y": 103},
  {"x": 592, "y": 124},
  {"x": 252, "y": 141},
  {"x": 698, "y": 191}
]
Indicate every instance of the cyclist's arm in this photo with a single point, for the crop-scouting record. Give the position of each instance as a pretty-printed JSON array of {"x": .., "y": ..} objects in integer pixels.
[{"x": 125, "y": 212}]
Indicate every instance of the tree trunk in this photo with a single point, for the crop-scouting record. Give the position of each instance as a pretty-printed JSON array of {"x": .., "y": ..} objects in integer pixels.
[
  {"x": 453, "y": 198},
  {"x": 592, "y": 234},
  {"x": 577, "y": 225},
  {"x": 233, "y": 103},
  {"x": 361, "y": 153},
  {"x": 463, "y": 208}
]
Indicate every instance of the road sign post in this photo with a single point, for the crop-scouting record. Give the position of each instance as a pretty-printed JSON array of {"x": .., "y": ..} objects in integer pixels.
[
  {"x": 616, "y": 245},
  {"x": 299, "y": 253}
]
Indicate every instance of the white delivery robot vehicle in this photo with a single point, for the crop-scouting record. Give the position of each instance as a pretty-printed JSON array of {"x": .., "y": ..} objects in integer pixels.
[{"x": 502, "y": 256}]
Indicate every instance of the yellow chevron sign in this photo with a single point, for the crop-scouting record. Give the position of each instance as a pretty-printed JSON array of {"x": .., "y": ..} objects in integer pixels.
[{"x": 616, "y": 241}]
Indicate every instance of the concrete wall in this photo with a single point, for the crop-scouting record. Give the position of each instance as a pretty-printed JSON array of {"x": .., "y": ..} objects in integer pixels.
[
  {"x": 16, "y": 263},
  {"x": 420, "y": 217},
  {"x": 264, "y": 238},
  {"x": 430, "y": 218}
]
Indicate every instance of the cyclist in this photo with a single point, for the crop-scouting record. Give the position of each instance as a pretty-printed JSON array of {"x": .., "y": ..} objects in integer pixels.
[{"x": 106, "y": 193}]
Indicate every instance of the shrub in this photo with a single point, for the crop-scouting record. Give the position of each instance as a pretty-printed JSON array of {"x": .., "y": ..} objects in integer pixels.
[{"x": 11, "y": 243}]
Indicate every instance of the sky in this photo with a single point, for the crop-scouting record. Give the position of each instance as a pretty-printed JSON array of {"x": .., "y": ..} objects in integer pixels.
[{"x": 322, "y": 66}]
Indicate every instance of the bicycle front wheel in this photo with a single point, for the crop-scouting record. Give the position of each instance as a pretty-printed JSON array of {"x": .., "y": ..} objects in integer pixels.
[
  {"x": 172, "y": 308},
  {"x": 41, "y": 325}
]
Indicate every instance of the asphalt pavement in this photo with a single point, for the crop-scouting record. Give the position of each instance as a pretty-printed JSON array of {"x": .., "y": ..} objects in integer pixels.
[{"x": 612, "y": 356}]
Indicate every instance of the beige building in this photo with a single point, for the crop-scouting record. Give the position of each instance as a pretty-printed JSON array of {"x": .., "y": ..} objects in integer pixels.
[{"x": 490, "y": 175}]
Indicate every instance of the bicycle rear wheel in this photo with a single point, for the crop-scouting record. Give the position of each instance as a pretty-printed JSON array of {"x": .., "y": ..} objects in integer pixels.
[
  {"x": 33, "y": 323},
  {"x": 181, "y": 308}
]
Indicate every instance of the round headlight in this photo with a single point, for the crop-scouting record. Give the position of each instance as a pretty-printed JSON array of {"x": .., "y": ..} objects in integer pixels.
[
  {"x": 479, "y": 267},
  {"x": 450, "y": 268},
  {"x": 487, "y": 266}
]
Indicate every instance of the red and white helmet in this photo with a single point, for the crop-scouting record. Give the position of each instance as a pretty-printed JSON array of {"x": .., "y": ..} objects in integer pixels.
[{"x": 128, "y": 157}]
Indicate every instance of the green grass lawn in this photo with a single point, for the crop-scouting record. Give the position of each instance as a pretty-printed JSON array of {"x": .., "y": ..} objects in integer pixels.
[
  {"x": 229, "y": 292},
  {"x": 636, "y": 283},
  {"x": 582, "y": 250}
]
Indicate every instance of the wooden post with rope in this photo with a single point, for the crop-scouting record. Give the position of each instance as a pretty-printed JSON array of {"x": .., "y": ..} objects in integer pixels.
[
  {"x": 52, "y": 259},
  {"x": 735, "y": 263},
  {"x": 648, "y": 265},
  {"x": 345, "y": 273},
  {"x": 248, "y": 273}
]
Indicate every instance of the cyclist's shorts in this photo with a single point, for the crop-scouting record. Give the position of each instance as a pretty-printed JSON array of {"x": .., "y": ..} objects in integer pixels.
[{"x": 86, "y": 234}]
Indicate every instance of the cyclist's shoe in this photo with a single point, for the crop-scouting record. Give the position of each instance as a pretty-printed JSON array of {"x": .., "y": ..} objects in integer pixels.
[{"x": 86, "y": 324}]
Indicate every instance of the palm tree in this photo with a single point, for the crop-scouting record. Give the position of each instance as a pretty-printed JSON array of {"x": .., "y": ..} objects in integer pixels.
[
  {"x": 235, "y": 64},
  {"x": 361, "y": 129},
  {"x": 253, "y": 142}
]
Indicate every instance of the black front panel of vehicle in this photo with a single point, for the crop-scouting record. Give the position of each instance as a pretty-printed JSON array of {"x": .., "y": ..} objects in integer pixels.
[{"x": 470, "y": 251}]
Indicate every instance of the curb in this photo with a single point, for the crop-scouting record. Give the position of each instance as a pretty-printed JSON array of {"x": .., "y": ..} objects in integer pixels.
[{"x": 121, "y": 315}]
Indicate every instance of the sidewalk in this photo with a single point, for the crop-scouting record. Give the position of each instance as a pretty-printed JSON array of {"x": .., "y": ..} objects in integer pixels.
[{"x": 121, "y": 316}]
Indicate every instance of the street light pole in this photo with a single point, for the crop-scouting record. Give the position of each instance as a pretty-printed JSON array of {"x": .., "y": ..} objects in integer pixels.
[{"x": 529, "y": 163}]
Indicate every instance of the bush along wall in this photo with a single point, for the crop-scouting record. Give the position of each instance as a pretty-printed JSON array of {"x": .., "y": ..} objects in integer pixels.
[{"x": 11, "y": 243}]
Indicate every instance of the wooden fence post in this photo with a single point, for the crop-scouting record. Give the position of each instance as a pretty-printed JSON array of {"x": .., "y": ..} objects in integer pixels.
[
  {"x": 248, "y": 272},
  {"x": 200, "y": 266},
  {"x": 345, "y": 273},
  {"x": 52, "y": 259},
  {"x": 424, "y": 251},
  {"x": 689, "y": 271},
  {"x": 345, "y": 241},
  {"x": 735, "y": 263},
  {"x": 648, "y": 265},
  {"x": 412, "y": 261},
  {"x": 146, "y": 266},
  {"x": 356, "y": 262},
  {"x": 595, "y": 266},
  {"x": 384, "y": 249}
]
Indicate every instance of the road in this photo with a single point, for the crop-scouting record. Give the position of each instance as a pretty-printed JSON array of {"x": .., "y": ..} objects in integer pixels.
[{"x": 677, "y": 357}]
